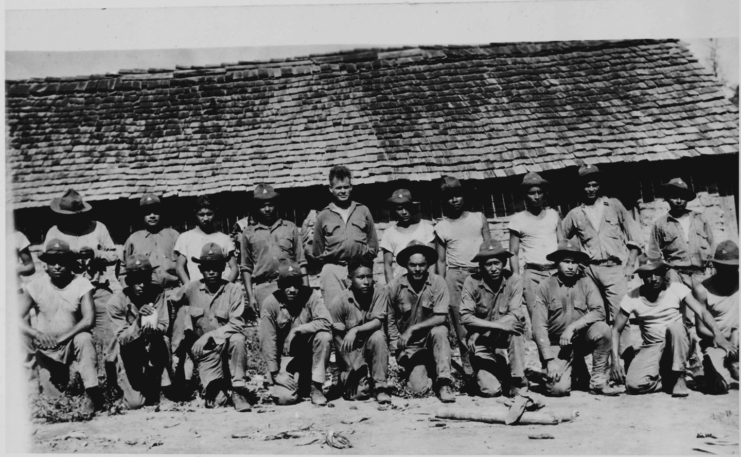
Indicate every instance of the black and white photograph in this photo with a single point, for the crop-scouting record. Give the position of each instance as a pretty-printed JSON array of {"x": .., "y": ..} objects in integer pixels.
[{"x": 506, "y": 227}]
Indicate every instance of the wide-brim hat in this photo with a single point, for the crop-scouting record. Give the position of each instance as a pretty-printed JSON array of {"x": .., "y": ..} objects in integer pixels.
[
  {"x": 148, "y": 200},
  {"x": 70, "y": 203},
  {"x": 416, "y": 247},
  {"x": 400, "y": 197},
  {"x": 533, "y": 179},
  {"x": 211, "y": 253},
  {"x": 264, "y": 192},
  {"x": 589, "y": 172},
  {"x": 726, "y": 253},
  {"x": 491, "y": 250},
  {"x": 652, "y": 266},
  {"x": 57, "y": 248},
  {"x": 289, "y": 269},
  {"x": 678, "y": 186},
  {"x": 450, "y": 184},
  {"x": 568, "y": 250}
]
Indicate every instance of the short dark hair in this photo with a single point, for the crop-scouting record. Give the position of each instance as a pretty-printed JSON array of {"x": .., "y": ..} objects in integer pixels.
[
  {"x": 204, "y": 201},
  {"x": 353, "y": 266},
  {"x": 340, "y": 173}
]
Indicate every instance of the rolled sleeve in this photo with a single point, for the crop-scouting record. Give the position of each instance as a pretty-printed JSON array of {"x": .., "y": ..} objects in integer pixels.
[
  {"x": 595, "y": 305},
  {"x": 540, "y": 323},
  {"x": 298, "y": 247},
  {"x": 515, "y": 306},
  {"x": 468, "y": 302},
  {"x": 321, "y": 320},
  {"x": 247, "y": 258},
  {"x": 125, "y": 332},
  {"x": 440, "y": 296},
  {"x": 630, "y": 226},
  {"x": 380, "y": 306},
  {"x": 236, "y": 322},
  {"x": 268, "y": 334}
]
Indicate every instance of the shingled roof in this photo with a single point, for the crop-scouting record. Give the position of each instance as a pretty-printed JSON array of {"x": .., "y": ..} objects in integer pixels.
[{"x": 416, "y": 113}]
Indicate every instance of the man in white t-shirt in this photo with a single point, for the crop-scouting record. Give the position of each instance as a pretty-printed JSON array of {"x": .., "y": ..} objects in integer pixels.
[
  {"x": 190, "y": 244},
  {"x": 533, "y": 234},
  {"x": 658, "y": 308},
  {"x": 408, "y": 227},
  {"x": 458, "y": 238}
]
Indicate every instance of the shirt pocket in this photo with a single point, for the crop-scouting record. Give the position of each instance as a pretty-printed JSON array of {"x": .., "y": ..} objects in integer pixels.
[
  {"x": 481, "y": 311},
  {"x": 554, "y": 306},
  {"x": 285, "y": 245},
  {"x": 612, "y": 224},
  {"x": 359, "y": 231},
  {"x": 703, "y": 242},
  {"x": 196, "y": 314},
  {"x": 580, "y": 305},
  {"x": 222, "y": 316}
]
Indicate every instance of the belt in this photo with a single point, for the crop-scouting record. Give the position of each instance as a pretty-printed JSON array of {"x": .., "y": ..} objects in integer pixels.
[
  {"x": 466, "y": 269},
  {"x": 539, "y": 267},
  {"x": 690, "y": 268},
  {"x": 606, "y": 262}
]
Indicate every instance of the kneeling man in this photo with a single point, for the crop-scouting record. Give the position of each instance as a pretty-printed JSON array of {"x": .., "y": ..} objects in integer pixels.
[
  {"x": 494, "y": 316},
  {"x": 358, "y": 314},
  {"x": 419, "y": 303},
  {"x": 65, "y": 314},
  {"x": 295, "y": 338},
  {"x": 140, "y": 349},
  {"x": 658, "y": 307},
  {"x": 213, "y": 332},
  {"x": 569, "y": 323}
]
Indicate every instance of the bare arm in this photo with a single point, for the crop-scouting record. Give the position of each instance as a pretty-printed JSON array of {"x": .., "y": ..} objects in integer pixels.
[
  {"x": 485, "y": 229},
  {"x": 432, "y": 321},
  {"x": 514, "y": 248},
  {"x": 87, "y": 310},
  {"x": 560, "y": 237},
  {"x": 441, "y": 262},
  {"x": 233, "y": 270},
  {"x": 704, "y": 315},
  {"x": 180, "y": 269},
  {"x": 388, "y": 271}
]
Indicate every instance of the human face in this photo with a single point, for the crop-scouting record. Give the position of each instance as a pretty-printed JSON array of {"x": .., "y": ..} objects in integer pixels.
[
  {"x": 340, "y": 190},
  {"x": 591, "y": 190},
  {"x": 402, "y": 213},
  {"x": 455, "y": 200},
  {"x": 291, "y": 288},
  {"x": 361, "y": 281},
  {"x": 151, "y": 216},
  {"x": 493, "y": 268},
  {"x": 676, "y": 202},
  {"x": 654, "y": 280},
  {"x": 266, "y": 211},
  {"x": 137, "y": 282},
  {"x": 212, "y": 271},
  {"x": 58, "y": 267},
  {"x": 417, "y": 266},
  {"x": 205, "y": 218},
  {"x": 534, "y": 197},
  {"x": 568, "y": 267}
]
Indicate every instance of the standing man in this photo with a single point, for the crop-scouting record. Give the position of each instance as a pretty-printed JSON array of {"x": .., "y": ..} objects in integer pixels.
[
  {"x": 213, "y": 331},
  {"x": 418, "y": 308},
  {"x": 63, "y": 303},
  {"x": 533, "y": 234},
  {"x": 719, "y": 295},
  {"x": 569, "y": 323},
  {"x": 157, "y": 244},
  {"x": 343, "y": 231},
  {"x": 295, "y": 338},
  {"x": 190, "y": 243},
  {"x": 264, "y": 245},
  {"x": 358, "y": 315},
  {"x": 96, "y": 255},
  {"x": 408, "y": 227},
  {"x": 458, "y": 237},
  {"x": 657, "y": 306},
  {"x": 140, "y": 351},
  {"x": 683, "y": 238},
  {"x": 610, "y": 237},
  {"x": 492, "y": 311}
]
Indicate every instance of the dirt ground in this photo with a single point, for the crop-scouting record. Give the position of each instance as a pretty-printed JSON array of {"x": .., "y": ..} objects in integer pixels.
[{"x": 652, "y": 424}]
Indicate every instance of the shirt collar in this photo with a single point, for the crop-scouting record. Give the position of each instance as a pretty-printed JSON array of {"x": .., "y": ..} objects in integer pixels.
[
  {"x": 503, "y": 283},
  {"x": 203, "y": 287},
  {"x": 561, "y": 283},
  {"x": 332, "y": 207},
  {"x": 690, "y": 214},
  {"x": 596, "y": 203},
  {"x": 277, "y": 223},
  {"x": 404, "y": 281}
]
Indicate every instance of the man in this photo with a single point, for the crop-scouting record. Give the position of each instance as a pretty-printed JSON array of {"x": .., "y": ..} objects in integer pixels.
[
  {"x": 683, "y": 238},
  {"x": 492, "y": 311},
  {"x": 533, "y": 234},
  {"x": 358, "y": 315},
  {"x": 189, "y": 244},
  {"x": 343, "y": 231},
  {"x": 458, "y": 237},
  {"x": 65, "y": 313},
  {"x": 658, "y": 308},
  {"x": 96, "y": 255},
  {"x": 212, "y": 332},
  {"x": 408, "y": 227},
  {"x": 140, "y": 351},
  {"x": 719, "y": 295},
  {"x": 157, "y": 244},
  {"x": 418, "y": 307},
  {"x": 264, "y": 245},
  {"x": 295, "y": 338},
  {"x": 569, "y": 323},
  {"x": 23, "y": 253},
  {"x": 610, "y": 237}
]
